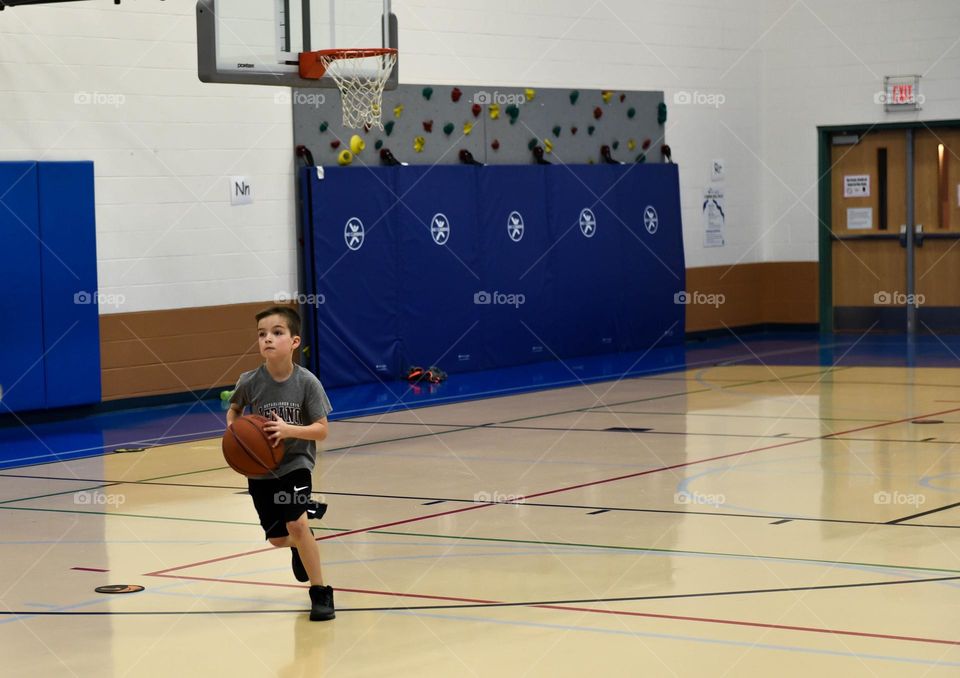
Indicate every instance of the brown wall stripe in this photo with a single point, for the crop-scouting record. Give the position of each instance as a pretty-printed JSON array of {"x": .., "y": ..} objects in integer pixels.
[{"x": 193, "y": 349}]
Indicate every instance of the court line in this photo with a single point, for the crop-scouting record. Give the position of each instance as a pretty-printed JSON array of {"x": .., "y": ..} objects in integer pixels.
[
  {"x": 57, "y": 494},
  {"x": 925, "y": 513},
  {"x": 750, "y": 556},
  {"x": 592, "y": 483},
  {"x": 457, "y": 500},
  {"x": 477, "y": 602},
  {"x": 752, "y": 645}
]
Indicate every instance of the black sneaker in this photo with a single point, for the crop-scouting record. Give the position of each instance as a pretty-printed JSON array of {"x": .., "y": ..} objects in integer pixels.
[
  {"x": 321, "y": 603},
  {"x": 315, "y": 510},
  {"x": 299, "y": 571}
]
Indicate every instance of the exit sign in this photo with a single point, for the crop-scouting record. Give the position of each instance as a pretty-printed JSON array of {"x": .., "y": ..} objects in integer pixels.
[{"x": 902, "y": 93}]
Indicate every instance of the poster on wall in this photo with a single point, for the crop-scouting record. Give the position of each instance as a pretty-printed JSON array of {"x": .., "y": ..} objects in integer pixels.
[
  {"x": 714, "y": 216},
  {"x": 859, "y": 218},
  {"x": 856, "y": 186}
]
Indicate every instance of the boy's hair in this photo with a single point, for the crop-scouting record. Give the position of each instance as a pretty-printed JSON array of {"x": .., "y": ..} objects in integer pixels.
[{"x": 288, "y": 314}]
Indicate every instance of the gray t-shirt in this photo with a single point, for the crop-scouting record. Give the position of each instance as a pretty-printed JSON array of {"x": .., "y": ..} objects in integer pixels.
[{"x": 299, "y": 400}]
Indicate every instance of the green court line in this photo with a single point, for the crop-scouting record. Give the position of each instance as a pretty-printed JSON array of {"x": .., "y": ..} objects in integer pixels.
[
  {"x": 639, "y": 549},
  {"x": 656, "y": 550}
]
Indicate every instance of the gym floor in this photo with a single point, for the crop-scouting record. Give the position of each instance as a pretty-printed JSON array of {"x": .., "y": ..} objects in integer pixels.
[{"x": 783, "y": 508}]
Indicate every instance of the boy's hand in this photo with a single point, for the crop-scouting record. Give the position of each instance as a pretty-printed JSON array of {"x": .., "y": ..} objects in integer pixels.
[{"x": 277, "y": 429}]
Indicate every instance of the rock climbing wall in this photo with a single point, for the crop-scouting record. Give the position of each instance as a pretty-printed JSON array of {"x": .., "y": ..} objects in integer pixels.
[{"x": 431, "y": 124}]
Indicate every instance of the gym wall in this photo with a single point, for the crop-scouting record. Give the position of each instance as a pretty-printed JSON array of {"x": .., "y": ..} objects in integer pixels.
[{"x": 168, "y": 241}]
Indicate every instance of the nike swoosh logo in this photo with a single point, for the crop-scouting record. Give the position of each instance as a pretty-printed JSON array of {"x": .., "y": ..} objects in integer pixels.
[{"x": 297, "y": 489}]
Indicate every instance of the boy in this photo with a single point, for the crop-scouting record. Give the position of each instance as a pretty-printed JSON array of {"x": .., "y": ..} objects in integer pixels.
[{"x": 295, "y": 402}]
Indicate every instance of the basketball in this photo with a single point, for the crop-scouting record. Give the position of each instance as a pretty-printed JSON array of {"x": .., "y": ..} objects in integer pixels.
[{"x": 247, "y": 448}]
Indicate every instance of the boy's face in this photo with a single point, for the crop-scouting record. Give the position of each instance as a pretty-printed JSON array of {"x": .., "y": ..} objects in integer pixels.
[{"x": 275, "y": 340}]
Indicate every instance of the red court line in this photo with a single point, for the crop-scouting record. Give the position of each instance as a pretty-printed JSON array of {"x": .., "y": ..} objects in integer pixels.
[
  {"x": 806, "y": 629},
  {"x": 592, "y": 610},
  {"x": 329, "y": 536},
  {"x": 890, "y": 423},
  {"x": 563, "y": 489}
]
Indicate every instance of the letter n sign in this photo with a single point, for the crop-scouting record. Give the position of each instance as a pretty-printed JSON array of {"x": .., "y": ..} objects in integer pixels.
[{"x": 241, "y": 192}]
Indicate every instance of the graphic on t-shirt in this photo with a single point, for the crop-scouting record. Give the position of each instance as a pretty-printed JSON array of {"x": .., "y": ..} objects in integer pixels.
[{"x": 289, "y": 412}]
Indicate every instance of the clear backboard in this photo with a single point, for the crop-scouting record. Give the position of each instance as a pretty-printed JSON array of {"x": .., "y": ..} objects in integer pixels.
[{"x": 258, "y": 42}]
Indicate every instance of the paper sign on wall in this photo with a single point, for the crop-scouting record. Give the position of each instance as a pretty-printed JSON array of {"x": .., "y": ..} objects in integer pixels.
[
  {"x": 856, "y": 186},
  {"x": 714, "y": 216},
  {"x": 859, "y": 218},
  {"x": 241, "y": 193}
]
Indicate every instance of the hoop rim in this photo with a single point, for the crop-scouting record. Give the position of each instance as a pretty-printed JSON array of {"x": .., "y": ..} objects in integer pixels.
[
  {"x": 351, "y": 52},
  {"x": 313, "y": 65}
]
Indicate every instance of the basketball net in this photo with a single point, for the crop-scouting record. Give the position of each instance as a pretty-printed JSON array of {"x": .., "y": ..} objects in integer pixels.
[{"x": 360, "y": 75}]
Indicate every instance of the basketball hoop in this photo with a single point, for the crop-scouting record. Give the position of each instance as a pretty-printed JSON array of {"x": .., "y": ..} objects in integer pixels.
[{"x": 360, "y": 75}]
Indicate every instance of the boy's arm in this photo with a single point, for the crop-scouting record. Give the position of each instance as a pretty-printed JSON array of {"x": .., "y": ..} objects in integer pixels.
[
  {"x": 278, "y": 430},
  {"x": 233, "y": 413}
]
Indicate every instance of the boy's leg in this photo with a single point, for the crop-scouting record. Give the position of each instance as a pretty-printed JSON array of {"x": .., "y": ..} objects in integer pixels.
[{"x": 301, "y": 538}]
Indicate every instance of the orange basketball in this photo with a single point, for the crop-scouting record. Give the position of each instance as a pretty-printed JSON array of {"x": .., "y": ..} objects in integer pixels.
[{"x": 247, "y": 448}]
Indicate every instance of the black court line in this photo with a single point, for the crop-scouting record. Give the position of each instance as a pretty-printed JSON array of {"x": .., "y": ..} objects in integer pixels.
[
  {"x": 701, "y": 434},
  {"x": 925, "y": 513},
  {"x": 527, "y": 603},
  {"x": 884, "y": 383},
  {"x": 781, "y": 522},
  {"x": 594, "y": 513},
  {"x": 438, "y": 500},
  {"x": 742, "y": 416},
  {"x": 466, "y": 428},
  {"x": 403, "y": 423}
]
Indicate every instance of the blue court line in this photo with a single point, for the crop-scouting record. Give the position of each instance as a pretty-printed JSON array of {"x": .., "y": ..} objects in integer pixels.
[
  {"x": 927, "y": 481},
  {"x": 664, "y": 636}
]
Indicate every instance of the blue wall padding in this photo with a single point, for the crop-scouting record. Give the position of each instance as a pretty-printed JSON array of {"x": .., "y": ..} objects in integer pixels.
[
  {"x": 21, "y": 363},
  {"x": 515, "y": 334},
  {"x": 356, "y": 328},
  {"x": 439, "y": 324},
  {"x": 483, "y": 299},
  {"x": 71, "y": 322},
  {"x": 47, "y": 221}
]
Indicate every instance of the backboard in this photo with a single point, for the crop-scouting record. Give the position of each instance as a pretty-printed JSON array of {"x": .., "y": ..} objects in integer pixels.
[{"x": 258, "y": 42}]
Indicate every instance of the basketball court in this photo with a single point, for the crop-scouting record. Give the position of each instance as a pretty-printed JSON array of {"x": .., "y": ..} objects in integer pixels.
[
  {"x": 636, "y": 467},
  {"x": 759, "y": 517}
]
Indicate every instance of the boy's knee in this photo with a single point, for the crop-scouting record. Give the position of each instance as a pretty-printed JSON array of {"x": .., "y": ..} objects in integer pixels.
[
  {"x": 298, "y": 528},
  {"x": 278, "y": 541}
]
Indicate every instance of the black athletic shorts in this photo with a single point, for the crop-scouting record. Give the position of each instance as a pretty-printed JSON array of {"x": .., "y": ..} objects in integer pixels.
[{"x": 280, "y": 500}]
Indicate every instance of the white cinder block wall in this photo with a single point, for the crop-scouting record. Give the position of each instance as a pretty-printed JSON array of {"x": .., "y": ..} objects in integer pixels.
[{"x": 118, "y": 85}]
